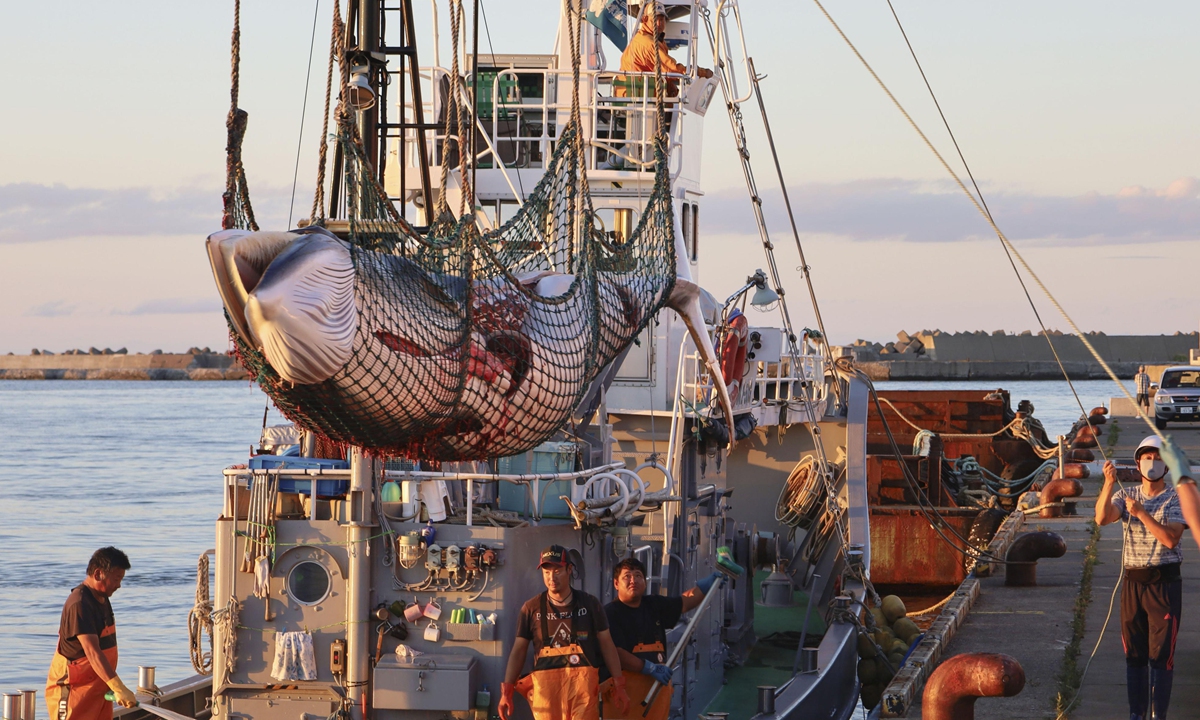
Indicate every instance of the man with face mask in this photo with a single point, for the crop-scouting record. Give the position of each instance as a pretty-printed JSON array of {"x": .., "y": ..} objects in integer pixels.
[{"x": 1152, "y": 594}]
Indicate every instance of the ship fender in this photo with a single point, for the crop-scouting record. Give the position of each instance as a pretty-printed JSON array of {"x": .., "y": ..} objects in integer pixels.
[
  {"x": 734, "y": 347},
  {"x": 958, "y": 682},
  {"x": 1021, "y": 562}
]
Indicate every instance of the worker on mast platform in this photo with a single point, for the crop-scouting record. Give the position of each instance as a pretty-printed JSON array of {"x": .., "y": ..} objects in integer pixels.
[
  {"x": 639, "y": 625},
  {"x": 570, "y": 637},
  {"x": 648, "y": 47},
  {"x": 84, "y": 667},
  {"x": 1152, "y": 593}
]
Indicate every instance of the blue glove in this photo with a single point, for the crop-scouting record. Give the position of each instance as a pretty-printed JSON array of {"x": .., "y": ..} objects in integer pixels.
[
  {"x": 1176, "y": 461},
  {"x": 661, "y": 673},
  {"x": 706, "y": 584}
]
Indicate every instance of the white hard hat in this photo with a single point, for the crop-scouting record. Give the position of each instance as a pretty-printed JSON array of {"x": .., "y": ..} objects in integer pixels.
[
  {"x": 1152, "y": 442},
  {"x": 659, "y": 9}
]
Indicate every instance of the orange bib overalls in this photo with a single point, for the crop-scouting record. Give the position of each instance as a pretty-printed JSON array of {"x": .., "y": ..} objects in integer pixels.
[
  {"x": 563, "y": 685},
  {"x": 73, "y": 689}
]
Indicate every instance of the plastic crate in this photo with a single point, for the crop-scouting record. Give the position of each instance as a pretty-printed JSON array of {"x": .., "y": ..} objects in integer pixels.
[
  {"x": 326, "y": 487},
  {"x": 551, "y": 457}
]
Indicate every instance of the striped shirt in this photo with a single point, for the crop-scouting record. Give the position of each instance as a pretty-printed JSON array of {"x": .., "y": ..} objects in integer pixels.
[
  {"x": 1142, "y": 549},
  {"x": 1142, "y": 381}
]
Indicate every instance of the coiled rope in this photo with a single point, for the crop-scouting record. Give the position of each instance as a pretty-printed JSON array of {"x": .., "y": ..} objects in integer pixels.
[{"x": 200, "y": 620}]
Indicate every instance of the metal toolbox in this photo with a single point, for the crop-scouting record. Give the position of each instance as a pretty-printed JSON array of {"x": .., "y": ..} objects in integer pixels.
[{"x": 430, "y": 682}]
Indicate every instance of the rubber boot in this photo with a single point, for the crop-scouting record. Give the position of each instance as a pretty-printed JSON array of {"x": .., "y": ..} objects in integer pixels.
[
  {"x": 1160, "y": 691},
  {"x": 1139, "y": 691}
]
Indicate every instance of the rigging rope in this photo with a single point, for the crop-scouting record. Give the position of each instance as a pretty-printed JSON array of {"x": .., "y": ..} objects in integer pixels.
[{"x": 236, "y": 198}]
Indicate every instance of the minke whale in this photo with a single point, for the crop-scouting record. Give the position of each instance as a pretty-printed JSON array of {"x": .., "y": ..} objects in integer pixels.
[{"x": 408, "y": 367}]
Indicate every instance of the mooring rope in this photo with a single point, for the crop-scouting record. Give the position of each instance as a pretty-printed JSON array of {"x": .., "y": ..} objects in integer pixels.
[{"x": 200, "y": 620}]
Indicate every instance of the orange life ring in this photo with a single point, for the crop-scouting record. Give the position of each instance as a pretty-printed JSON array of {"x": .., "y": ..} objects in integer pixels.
[{"x": 734, "y": 346}]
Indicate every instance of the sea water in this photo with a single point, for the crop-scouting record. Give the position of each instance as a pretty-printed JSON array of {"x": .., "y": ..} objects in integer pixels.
[{"x": 138, "y": 465}]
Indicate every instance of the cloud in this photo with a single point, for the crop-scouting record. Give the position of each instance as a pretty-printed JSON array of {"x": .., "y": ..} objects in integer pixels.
[
  {"x": 54, "y": 308},
  {"x": 174, "y": 306},
  {"x": 915, "y": 211},
  {"x": 33, "y": 213}
]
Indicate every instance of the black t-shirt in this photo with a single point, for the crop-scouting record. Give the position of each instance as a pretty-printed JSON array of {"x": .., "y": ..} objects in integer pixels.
[
  {"x": 647, "y": 623},
  {"x": 583, "y": 624},
  {"x": 85, "y": 614}
]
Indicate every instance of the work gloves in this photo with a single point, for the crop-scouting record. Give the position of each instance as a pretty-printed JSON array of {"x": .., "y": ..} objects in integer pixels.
[
  {"x": 122, "y": 695},
  {"x": 1176, "y": 461},
  {"x": 706, "y": 584},
  {"x": 661, "y": 673}
]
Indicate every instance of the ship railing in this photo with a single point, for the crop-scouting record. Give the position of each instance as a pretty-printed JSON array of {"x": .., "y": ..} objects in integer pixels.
[
  {"x": 522, "y": 112},
  {"x": 772, "y": 384},
  {"x": 608, "y": 491}
]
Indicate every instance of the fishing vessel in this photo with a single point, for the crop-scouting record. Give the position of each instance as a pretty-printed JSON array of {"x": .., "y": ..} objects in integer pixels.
[{"x": 394, "y": 528}]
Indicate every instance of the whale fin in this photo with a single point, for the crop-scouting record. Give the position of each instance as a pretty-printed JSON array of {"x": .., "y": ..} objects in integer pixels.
[{"x": 685, "y": 300}]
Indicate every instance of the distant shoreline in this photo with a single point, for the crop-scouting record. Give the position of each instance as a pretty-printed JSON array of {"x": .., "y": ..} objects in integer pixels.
[
  {"x": 161, "y": 366},
  {"x": 218, "y": 366}
]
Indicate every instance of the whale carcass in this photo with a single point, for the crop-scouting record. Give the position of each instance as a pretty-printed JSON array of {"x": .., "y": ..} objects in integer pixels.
[{"x": 445, "y": 367}]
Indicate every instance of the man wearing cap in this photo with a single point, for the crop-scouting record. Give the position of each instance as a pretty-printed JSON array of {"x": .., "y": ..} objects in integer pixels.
[
  {"x": 571, "y": 641},
  {"x": 1152, "y": 594},
  {"x": 639, "y": 624},
  {"x": 647, "y": 47},
  {"x": 84, "y": 667},
  {"x": 1142, "y": 381}
]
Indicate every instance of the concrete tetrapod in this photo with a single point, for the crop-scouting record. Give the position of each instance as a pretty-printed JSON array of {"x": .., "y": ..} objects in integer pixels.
[
  {"x": 1059, "y": 488},
  {"x": 1026, "y": 550},
  {"x": 953, "y": 688}
]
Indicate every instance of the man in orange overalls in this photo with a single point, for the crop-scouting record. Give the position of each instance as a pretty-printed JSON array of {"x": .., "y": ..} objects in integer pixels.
[
  {"x": 570, "y": 639},
  {"x": 639, "y": 625},
  {"x": 85, "y": 663}
]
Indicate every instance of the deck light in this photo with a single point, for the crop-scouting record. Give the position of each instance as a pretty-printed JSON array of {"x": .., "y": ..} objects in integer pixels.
[{"x": 360, "y": 94}]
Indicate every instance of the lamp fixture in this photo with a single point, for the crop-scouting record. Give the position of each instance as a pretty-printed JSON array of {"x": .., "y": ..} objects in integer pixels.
[{"x": 359, "y": 93}]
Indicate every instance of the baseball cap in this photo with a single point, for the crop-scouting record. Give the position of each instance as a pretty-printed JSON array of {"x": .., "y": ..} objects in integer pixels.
[{"x": 554, "y": 555}]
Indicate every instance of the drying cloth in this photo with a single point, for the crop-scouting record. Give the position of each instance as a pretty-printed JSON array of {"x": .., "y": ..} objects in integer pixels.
[
  {"x": 262, "y": 577},
  {"x": 294, "y": 657}
]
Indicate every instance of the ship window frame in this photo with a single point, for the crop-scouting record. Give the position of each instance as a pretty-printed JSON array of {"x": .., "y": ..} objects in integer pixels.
[{"x": 291, "y": 589}]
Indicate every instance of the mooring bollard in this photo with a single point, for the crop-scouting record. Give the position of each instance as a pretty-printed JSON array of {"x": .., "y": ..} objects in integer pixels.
[
  {"x": 953, "y": 688},
  {"x": 1026, "y": 550},
  {"x": 1060, "y": 488}
]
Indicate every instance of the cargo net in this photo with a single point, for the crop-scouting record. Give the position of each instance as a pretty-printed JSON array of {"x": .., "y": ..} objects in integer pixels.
[
  {"x": 473, "y": 345},
  {"x": 470, "y": 345}
]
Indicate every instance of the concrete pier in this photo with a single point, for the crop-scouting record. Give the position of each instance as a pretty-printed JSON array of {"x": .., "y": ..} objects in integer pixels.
[{"x": 1034, "y": 624}]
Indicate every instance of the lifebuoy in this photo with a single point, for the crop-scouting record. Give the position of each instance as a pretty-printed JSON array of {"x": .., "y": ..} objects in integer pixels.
[{"x": 734, "y": 345}]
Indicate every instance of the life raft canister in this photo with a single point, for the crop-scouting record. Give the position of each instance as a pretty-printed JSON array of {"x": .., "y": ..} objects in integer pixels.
[{"x": 734, "y": 346}]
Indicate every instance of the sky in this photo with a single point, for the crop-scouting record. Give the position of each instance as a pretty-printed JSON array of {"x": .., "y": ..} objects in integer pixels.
[{"x": 1078, "y": 119}]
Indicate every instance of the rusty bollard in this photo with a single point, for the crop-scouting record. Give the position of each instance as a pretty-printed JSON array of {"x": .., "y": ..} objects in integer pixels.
[
  {"x": 953, "y": 688},
  {"x": 1026, "y": 550},
  {"x": 1059, "y": 488}
]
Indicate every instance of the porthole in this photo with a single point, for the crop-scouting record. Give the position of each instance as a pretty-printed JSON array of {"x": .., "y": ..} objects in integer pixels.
[{"x": 308, "y": 582}]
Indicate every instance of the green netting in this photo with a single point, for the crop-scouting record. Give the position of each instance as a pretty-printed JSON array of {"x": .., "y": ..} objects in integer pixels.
[{"x": 472, "y": 345}]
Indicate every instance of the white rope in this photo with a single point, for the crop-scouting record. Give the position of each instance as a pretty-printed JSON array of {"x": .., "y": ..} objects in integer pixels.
[
  {"x": 200, "y": 619},
  {"x": 996, "y": 228}
]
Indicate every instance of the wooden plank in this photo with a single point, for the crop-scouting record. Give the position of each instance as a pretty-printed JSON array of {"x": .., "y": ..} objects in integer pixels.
[
  {"x": 905, "y": 687},
  {"x": 1001, "y": 542}
]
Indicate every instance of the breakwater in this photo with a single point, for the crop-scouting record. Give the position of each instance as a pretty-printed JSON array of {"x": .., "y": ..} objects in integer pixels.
[
  {"x": 159, "y": 366},
  {"x": 989, "y": 370}
]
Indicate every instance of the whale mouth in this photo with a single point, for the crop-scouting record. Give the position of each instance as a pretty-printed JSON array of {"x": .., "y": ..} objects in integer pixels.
[{"x": 239, "y": 259}]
